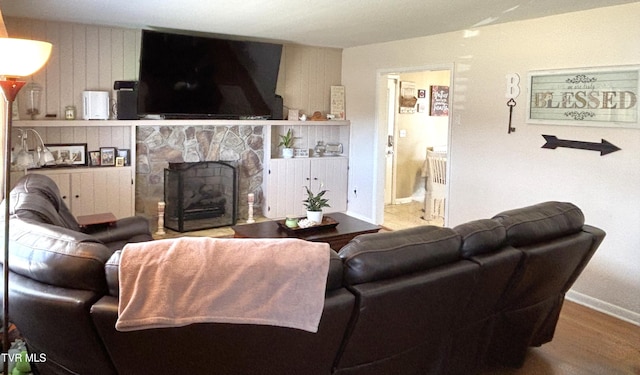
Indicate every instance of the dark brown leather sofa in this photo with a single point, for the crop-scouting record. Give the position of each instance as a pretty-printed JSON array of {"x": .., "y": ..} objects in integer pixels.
[
  {"x": 57, "y": 274},
  {"x": 425, "y": 300}
]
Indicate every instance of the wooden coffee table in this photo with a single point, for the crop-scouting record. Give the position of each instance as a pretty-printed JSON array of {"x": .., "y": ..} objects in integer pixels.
[{"x": 347, "y": 228}]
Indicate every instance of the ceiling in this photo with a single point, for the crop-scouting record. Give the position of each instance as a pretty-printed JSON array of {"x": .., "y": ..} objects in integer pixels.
[{"x": 327, "y": 23}]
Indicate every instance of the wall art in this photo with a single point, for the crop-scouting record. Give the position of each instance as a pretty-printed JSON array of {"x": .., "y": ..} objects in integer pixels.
[
  {"x": 585, "y": 97},
  {"x": 408, "y": 98},
  {"x": 439, "y": 101}
]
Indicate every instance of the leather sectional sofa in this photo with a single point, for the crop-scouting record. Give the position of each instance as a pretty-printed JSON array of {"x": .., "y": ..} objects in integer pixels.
[{"x": 426, "y": 300}]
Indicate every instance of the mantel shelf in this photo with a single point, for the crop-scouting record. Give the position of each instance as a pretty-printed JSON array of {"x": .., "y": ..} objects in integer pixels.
[{"x": 98, "y": 123}]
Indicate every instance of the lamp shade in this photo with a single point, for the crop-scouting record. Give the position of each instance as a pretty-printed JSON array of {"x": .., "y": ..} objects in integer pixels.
[{"x": 22, "y": 57}]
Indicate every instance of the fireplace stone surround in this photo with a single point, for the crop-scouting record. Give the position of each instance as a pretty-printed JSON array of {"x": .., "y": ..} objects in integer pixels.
[{"x": 157, "y": 146}]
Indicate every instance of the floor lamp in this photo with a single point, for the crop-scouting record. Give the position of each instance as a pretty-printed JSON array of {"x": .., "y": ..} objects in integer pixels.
[{"x": 18, "y": 58}]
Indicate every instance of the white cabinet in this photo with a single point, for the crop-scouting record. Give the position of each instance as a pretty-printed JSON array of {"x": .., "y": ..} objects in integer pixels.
[
  {"x": 89, "y": 191},
  {"x": 287, "y": 178}
]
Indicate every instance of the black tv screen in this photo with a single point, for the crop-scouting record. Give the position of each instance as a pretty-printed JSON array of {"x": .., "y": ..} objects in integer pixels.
[{"x": 186, "y": 76}]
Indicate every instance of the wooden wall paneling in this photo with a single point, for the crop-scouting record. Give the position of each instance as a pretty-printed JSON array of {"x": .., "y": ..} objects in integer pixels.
[
  {"x": 117, "y": 53},
  {"x": 118, "y": 137},
  {"x": 93, "y": 139},
  {"x": 79, "y": 64},
  {"x": 92, "y": 51},
  {"x": 67, "y": 135},
  {"x": 52, "y": 71},
  {"x": 67, "y": 76},
  {"x": 105, "y": 79},
  {"x": 79, "y": 134},
  {"x": 315, "y": 101},
  {"x": 131, "y": 57},
  {"x": 50, "y": 135}
]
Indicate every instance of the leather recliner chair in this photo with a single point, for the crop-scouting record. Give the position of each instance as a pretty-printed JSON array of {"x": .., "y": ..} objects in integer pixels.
[{"x": 58, "y": 267}]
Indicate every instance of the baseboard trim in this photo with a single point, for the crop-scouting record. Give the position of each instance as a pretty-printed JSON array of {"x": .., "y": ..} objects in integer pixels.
[{"x": 604, "y": 307}]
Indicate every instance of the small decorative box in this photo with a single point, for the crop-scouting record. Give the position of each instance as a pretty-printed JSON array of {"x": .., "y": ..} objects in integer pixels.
[{"x": 301, "y": 152}]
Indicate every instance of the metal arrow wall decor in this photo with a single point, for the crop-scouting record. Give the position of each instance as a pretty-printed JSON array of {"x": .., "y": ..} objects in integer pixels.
[{"x": 604, "y": 147}]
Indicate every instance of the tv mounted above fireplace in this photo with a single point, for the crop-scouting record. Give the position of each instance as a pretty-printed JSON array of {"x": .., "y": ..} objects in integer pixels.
[{"x": 187, "y": 76}]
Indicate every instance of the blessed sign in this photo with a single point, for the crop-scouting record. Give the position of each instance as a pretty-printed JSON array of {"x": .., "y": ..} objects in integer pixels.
[{"x": 606, "y": 97}]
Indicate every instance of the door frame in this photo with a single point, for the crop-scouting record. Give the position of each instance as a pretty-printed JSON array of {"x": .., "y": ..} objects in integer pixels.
[{"x": 381, "y": 133}]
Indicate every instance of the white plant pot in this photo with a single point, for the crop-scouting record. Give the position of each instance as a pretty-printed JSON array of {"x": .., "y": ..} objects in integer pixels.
[
  {"x": 315, "y": 216},
  {"x": 287, "y": 153}
]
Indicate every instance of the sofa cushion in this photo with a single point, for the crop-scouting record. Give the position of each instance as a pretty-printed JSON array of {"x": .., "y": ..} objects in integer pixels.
[
  {"x": 57, "y": 256},
  {"x": 480, "y": 237},
  {"x": 378, "y": 256},
  {"x": 540, "y": 222}
]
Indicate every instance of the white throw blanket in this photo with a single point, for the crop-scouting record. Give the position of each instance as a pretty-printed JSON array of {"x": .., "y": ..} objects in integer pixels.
[{"x": 176, "y": 282}]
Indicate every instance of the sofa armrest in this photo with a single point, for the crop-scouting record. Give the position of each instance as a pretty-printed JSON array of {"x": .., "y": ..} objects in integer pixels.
[{"x": 128, "y": 229}]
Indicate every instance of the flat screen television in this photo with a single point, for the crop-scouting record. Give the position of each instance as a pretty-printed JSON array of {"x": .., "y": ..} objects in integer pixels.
[{"x": 186, "y": 76}]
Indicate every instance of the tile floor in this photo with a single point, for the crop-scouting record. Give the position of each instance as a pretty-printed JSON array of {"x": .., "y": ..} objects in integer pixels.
[
  {"x": 396, "y": 217},
  {"x": 407, "y": 215}
]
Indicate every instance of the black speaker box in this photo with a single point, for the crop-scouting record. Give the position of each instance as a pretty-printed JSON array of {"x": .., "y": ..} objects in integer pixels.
[
  {"x": 277, "y": 109},
  {"x": 127, "y": 104}
]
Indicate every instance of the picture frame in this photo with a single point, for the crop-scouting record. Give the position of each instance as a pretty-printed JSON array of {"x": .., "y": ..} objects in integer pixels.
[
  {"x": 408, "y": 97},
  {"x": 119, "y": 161},
  {"x": 600, "y": 97},
  {"x": 68, "y": 153},
  {"x": 439, "y": 101},
  {"x": 94, "y": 158},
  {"x": 126, "y": 154},
  {"x": 107, "y": 156}
]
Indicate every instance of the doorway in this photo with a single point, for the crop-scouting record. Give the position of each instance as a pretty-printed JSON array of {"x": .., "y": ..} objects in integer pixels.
[{"x": 410, "y": 128}]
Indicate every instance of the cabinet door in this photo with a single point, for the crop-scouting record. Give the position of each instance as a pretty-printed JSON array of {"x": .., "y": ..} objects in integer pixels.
[
  {"x": 64, "y": 185},
  {"x": 113, "y": 191},
  {"x": 83, "y": 195},
  {"x": 285, "y": 189},
  {"x": 331, "y": 174},
  {"x": 61, "y": 180}
]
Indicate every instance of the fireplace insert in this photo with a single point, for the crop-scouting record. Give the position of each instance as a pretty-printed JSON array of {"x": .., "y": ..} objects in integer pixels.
[{"x": 200, "y": 195}]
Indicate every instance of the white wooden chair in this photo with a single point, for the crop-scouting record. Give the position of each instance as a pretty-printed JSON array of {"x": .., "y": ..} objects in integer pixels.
[{"x": 435, "y": 197}]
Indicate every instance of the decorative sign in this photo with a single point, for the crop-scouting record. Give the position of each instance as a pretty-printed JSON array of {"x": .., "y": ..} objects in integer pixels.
[
  {"x": 408, "y": 98},
  {"x": 439, "y": 101},
  {"x": 604, "y": 147},
  {"x": 588, "y": 97},
  {"x": 337, "y": 102}
]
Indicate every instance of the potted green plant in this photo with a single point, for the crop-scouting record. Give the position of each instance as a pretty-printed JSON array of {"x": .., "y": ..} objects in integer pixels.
[
  {"x": 286, "y": 141},
  {"x": 314, "y": 204}
]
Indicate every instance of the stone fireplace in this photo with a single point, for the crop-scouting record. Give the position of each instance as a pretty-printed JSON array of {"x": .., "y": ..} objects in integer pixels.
[{"x": 159, "y": 145}]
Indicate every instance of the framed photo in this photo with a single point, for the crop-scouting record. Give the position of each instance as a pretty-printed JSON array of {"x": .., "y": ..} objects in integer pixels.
[
  {"x": 126, "y": 155},
  {"x": 422, "y": 93},
  {"x": 107, "y": 156},
  {"x": 119, "y": 161},
  {"x": 68, "y": 153},
  {"x": 606, "y": 96},
  {"x": 94, "y": 158}
]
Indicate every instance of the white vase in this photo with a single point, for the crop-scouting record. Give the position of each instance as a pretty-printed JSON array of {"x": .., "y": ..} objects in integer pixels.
[
  {"x": 287, "y": 153},
  {"x": 315, "y": 216}
]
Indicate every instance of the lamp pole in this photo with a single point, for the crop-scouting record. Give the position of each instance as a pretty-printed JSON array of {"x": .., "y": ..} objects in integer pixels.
[
  {"x": 10, "y": 89},
  {"x": 18, "y": 58}
]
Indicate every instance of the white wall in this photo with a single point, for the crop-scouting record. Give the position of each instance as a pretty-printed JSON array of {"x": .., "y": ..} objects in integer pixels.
[{"x": 493, "y": 171}]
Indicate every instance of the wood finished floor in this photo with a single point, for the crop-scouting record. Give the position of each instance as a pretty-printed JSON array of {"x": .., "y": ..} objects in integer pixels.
[{"x": 586, "y": 341}]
